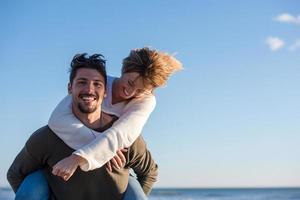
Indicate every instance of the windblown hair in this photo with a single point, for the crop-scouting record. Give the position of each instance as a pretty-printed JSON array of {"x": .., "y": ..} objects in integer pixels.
[
  {"x": 153, "y": 66},
  {"x": 95, "y": 61}
]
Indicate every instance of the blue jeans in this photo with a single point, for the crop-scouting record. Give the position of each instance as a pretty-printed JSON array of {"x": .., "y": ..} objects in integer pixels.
[
  {"x": 35, "y": 187},
  {"x": 134, "y": 190}
]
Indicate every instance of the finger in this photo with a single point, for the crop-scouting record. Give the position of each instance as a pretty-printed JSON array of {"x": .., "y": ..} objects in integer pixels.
[
  {"x": 121, "y": 155},
  {"x": 54, "y": 171},
  {"x": 124, "y": 150},
  {"x": 61, "y": 173},
  {"x": 67, "y": 176},
  {"x": 115, "y": 163},
  {"x": 108, "y": 166},
  {"x": 119, "y": 160},
  {"x": 57, "y": 171}
]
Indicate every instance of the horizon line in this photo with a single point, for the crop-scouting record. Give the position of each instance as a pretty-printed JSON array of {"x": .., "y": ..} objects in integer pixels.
[
  {"x": 208, "y": 188},
  {"x": 232, "y": 187}
]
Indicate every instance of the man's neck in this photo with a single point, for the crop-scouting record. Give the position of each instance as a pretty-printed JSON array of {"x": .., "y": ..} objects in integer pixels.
[
  {"x": 97, "y": 121},
  {"x": 90, "y": 120}
]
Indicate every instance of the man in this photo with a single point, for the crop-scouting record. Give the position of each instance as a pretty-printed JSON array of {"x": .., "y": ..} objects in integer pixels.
[{"x": 44, "y": 149}]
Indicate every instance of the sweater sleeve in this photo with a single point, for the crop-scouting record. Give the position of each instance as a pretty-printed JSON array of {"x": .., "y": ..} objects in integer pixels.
[
  {"x": 142, "y": 163},
  {"x": 121, "y": 135},
  {"x": 97, "y": 151},
  {"x": 30, "y": 158},
  {"x": 22, "y": 166},
  {"x": 67, "y": 127}
]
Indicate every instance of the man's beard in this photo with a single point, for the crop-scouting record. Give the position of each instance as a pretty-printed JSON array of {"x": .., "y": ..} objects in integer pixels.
[{"x": 85, "y": 109}]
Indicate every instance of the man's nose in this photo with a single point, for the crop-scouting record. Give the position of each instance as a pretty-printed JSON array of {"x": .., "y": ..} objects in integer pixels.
[{"x": 89, "y": 88}]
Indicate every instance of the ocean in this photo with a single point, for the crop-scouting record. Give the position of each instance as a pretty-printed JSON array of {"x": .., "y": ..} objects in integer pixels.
[
  {"x": 226, "y": 194},
  {"x": 208, "y": 194}
]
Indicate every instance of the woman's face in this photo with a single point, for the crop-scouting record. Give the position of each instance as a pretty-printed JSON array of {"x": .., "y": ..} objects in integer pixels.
[{"x": 131, "y": 85}]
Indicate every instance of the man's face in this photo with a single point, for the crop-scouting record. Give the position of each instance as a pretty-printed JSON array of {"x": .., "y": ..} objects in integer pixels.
[{"x": 87, "y": 89}]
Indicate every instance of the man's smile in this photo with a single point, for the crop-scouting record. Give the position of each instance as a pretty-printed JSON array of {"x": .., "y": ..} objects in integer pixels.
[{"x": 88, "y": 97}]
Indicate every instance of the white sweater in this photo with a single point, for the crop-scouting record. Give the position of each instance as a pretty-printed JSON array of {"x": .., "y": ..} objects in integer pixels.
[{"x": 97, "y": 148}]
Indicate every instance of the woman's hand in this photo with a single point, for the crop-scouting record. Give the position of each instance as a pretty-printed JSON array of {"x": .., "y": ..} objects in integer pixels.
[
  {"x": 118, "y": 161},
  {"x": 67, "y": 166}
]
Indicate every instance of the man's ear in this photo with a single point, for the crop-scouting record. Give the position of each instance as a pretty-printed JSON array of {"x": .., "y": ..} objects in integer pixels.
[{"x": 69, "y": 88}]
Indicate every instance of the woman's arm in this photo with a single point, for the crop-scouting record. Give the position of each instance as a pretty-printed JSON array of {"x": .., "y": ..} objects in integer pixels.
[
  {"x": 97, "y": 150},
  {"x": 121, "y": 135},
  {"x": 69, "y": 128}
]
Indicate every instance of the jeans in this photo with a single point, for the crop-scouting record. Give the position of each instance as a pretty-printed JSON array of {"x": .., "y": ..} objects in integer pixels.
[
  {"x": 35, "y": 187},
  {"x": 134, "y": 190}
]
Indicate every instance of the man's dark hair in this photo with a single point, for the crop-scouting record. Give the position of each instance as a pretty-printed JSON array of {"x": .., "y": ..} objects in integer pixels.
[{"x": 95, "y": 61}]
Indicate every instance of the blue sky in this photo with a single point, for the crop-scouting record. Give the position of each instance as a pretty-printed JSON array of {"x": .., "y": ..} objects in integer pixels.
[{"x": 230, "y": 119}]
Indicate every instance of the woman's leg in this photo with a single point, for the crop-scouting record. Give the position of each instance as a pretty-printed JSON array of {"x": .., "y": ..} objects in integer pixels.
[
  {"x": 134, "y": 190},
  {"x": 33, "y": 187}
]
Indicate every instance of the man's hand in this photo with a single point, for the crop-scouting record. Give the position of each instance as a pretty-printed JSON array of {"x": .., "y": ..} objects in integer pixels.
[
  {"x": 118, "y": 161},
  {"x": 67, "y": 166}
]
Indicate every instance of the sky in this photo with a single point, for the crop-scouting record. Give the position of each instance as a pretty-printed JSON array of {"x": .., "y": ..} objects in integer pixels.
[{"x": 229, "y": 119}]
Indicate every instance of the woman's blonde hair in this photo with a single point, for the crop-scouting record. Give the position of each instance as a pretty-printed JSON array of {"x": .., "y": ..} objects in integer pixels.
[{"x": 153, "y": 66}]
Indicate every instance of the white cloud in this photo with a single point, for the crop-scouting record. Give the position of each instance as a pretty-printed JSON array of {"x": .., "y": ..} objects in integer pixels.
[
  {"x": 288, "y": 18},
  {"x": 295, "y": 46},
  {"x": 274, "y": 43}
]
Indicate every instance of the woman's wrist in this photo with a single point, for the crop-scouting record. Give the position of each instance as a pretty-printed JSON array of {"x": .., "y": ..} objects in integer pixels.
[{"x": 79, "y": 160}]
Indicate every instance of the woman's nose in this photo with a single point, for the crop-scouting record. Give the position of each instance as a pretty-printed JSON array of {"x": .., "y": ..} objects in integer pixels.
[{"x": 130, "y": 91}]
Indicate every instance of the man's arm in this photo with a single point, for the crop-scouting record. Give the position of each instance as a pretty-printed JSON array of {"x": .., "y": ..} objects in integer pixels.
[
  {"x": 28, "y": 160},
  {"x": 23, "y": 165},
  {"x": 142, "y": 163}
]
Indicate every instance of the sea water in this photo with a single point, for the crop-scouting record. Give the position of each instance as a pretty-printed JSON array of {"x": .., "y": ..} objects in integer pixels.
[
  {"x": 226, "y": 194},
  {"x": 207, "y": 194}
]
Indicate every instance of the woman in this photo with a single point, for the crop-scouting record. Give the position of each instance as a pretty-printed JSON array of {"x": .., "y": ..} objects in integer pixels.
[{"x": 130, "y": 98}]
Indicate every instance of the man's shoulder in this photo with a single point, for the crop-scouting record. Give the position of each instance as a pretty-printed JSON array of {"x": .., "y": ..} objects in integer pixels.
[
  {"x": 139, "y": 145},
  {"x": 139, "y": 141},
  {"x": 42, "y": 134}
]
